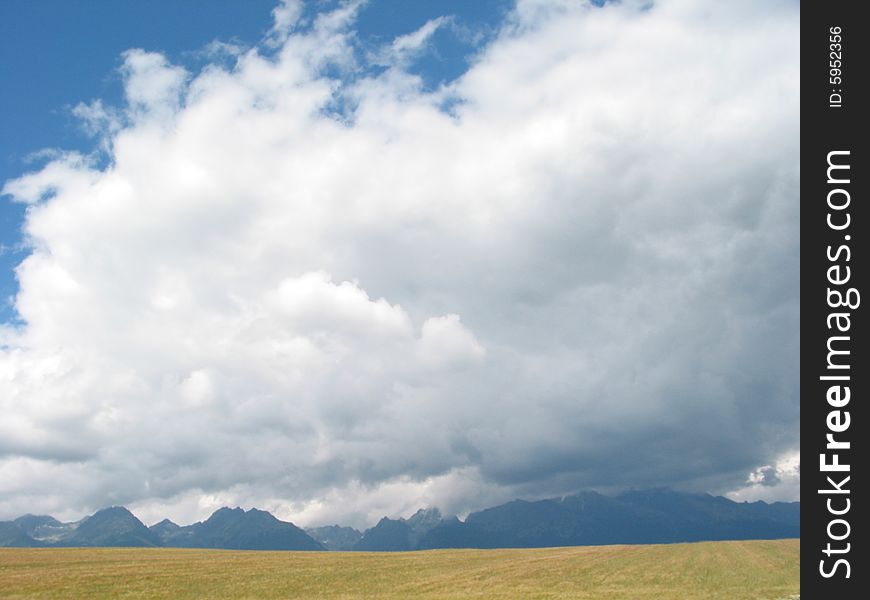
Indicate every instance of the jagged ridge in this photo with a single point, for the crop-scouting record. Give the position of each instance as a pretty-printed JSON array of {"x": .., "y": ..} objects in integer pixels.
[{"x": 587, "y": 518}]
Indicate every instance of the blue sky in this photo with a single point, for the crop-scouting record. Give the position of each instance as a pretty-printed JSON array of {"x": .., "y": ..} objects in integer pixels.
[{"x": 55, "y": 54}]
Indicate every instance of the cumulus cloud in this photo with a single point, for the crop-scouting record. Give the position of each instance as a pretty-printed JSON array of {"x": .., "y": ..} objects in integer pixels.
[{"x": 582, "y": 274}]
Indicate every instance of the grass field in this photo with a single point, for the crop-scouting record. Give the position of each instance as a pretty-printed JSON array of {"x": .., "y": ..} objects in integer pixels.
[{"x": 717, "y": 570}]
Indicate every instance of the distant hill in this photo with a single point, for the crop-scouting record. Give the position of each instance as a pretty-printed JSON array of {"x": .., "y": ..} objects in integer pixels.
[
  {"x": 33, "y": 524},
  {"x": 649, "y": 517},
  {"x": 387, "y": 536},
  {"x": 44, "y": 530},
  {"x": 115, "y": 526},
  {"x": 335, "y": 537},
  {"x": 165, "y": 529},
  {"x": 237, "y": 529},
  {"x": 11, "y": 536},
  {"x": 584, "y": 519},
  {"x": 230, "y": 528},
  {"x": 393, "y": 535}
]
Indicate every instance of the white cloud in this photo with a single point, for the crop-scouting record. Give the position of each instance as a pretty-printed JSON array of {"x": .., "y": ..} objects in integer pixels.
[
  {"x": 198, "y": 388},
  {"x": 153, "y": 87},
  {"x": 445, "y": 342},
  {"x": 314, "y": 303},
  {"x": 407, "y": 47},
  {"x": 285, "y": 18},
  {"x": 98, "y": 120},
  {"x": 69, "y": 171},
  {"x": 780, "y": 481},
  {"x": 412, "y": 42},
  {"x": 587, "y": 275}
]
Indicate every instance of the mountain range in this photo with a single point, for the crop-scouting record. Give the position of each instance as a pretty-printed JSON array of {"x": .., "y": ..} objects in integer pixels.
[
  {"x": 230, "y": 528},
  {"x": 587, "y": 518}
]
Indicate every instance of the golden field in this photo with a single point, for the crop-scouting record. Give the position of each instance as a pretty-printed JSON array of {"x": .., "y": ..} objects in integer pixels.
[{"x": 705, "y": 571}]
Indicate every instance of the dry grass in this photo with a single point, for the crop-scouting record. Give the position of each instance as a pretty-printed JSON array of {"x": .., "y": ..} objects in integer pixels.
[{"x": 717, "y": 570}]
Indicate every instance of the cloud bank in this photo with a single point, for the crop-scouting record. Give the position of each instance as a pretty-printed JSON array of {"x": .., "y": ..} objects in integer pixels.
[{"x": 318, "y": 288}]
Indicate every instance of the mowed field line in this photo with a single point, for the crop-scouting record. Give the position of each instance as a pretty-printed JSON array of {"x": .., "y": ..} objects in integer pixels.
[{"x": 745, "y": 570}]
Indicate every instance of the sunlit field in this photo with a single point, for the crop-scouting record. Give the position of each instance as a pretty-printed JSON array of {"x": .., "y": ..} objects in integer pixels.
[{"x": 727, "y": 570}]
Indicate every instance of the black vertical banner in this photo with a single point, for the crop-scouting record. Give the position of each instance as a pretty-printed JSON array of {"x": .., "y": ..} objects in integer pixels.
[{"x": 834, "y": 265}]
